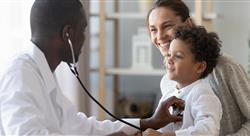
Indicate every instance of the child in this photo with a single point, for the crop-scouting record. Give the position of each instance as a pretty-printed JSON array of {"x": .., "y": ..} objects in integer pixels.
[{"x": 192, "y": 55}]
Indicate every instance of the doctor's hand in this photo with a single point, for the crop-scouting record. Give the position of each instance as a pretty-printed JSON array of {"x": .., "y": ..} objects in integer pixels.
[{"x": 162, "y": 116}]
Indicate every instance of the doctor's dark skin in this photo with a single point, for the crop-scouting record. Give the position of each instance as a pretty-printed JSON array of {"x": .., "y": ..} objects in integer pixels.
[{"x": 52, "y": 40}]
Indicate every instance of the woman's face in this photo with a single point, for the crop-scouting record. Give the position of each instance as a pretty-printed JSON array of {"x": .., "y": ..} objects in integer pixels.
[
  {"x": 161, "y": 24},
  {"x": 180, "y": 63}
]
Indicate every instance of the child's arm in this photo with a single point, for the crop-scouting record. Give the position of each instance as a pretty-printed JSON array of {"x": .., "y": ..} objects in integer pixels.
[{"x": 152, "y": 132}]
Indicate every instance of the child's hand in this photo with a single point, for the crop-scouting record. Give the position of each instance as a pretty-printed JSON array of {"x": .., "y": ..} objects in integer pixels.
[{"x": 151, "y": 132}]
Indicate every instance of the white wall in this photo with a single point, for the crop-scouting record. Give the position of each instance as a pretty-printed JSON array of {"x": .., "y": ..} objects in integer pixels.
[
  {"x": 234, "y": 28},
  {"x": 15, "y": 34},
  {"x": 14, "y": 26}
]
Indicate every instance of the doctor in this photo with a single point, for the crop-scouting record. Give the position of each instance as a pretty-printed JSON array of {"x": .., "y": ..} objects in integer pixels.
[{"x": 31, "y": 100}]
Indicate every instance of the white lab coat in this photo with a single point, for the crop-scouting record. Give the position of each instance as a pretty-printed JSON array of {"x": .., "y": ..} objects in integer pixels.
[
  {"x": 202, "y": 112},
  {"x": 32, "y": 103}
]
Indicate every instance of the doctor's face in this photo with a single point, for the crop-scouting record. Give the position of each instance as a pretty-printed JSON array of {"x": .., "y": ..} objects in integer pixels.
[
  {"x": 162, "y": 22},
  {"x": 76, "y": 34},
  {"x": 79, "y": 35}
]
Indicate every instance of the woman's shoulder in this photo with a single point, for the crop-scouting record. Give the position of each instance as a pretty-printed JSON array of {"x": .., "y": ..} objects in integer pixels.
[
  {"x": 167, "y": 85},
  {"x": 227, "y": 67},
  {"x": 227, "y": 61}
]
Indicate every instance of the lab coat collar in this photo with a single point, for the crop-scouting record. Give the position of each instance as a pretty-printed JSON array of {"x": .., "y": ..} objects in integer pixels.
[{"x": 38, "y": 56}]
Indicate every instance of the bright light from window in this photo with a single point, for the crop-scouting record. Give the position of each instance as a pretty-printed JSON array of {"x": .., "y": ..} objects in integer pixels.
[{"x": 14, "y": 26}]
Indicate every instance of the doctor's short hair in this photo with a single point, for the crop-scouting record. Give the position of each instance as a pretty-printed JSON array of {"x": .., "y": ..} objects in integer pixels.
[
  {"x": 51, "y": 15},
  {"x": 204, "y": 45}
]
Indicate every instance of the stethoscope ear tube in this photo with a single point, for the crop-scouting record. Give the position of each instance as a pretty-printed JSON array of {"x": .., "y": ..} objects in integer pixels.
[{"x": 75, "y": 72}]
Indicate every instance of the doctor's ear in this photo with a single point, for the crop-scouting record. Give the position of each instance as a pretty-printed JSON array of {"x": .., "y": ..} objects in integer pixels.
[{"x": 66, "y": 33}]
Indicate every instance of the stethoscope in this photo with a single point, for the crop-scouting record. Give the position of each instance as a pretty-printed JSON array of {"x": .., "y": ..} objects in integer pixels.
[{"x": 73, "y": 69}]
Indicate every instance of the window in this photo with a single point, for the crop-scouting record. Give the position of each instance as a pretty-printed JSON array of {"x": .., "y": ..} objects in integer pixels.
[{"x": 15, "y": 28}]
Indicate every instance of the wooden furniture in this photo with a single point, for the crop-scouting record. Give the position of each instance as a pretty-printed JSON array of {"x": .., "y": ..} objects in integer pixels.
[{"x": 199, "y": 17}]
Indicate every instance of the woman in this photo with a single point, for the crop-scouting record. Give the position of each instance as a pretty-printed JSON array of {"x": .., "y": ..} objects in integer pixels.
[{"x": 228, "y": 80}]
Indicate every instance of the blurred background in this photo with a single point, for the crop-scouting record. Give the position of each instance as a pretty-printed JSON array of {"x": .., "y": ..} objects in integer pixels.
[{"x": 118, "y": 64}]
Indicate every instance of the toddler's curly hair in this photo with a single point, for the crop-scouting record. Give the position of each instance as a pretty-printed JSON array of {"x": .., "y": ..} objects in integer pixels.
[{"x": 204, "y": 45}]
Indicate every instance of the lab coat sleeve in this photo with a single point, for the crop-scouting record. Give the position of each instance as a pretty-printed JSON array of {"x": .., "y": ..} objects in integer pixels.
[
  {"x": 21, "y": 116},
  {"x": 106, "y": 127},
  {"x": 207, "y": 113}
]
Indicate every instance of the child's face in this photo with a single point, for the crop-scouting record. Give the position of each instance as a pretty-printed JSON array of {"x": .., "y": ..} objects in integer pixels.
[{"x": 181, "y": 65}]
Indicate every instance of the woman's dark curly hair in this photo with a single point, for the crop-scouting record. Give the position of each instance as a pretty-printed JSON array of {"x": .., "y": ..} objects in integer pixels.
[{"x": 205, "y": 46}]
